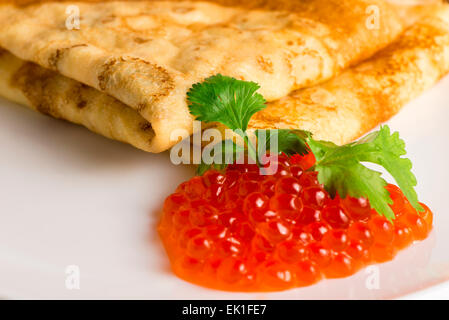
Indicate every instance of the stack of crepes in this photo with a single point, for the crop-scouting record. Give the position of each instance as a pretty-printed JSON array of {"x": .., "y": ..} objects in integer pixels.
[{"x": 335, "y": 68}]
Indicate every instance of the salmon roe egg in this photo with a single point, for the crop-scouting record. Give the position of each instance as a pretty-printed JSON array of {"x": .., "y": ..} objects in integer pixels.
[{"x": 240, "y": 230}]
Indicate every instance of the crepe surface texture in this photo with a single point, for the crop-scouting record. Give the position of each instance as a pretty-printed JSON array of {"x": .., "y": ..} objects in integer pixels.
[
  {"x": 50, "y": 93},
  {"x": 368, "y": 94},
  {"x": 147, "y": 54}
]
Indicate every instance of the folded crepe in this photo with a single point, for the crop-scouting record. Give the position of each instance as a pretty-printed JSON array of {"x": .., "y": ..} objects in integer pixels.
[
  {"x": 370, "y": 93},
  {"x": 147, "y": 54}
]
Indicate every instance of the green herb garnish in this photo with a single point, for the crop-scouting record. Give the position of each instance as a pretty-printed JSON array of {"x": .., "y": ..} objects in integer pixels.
[
  {"x": 340, "y": 169},
  {"x": 227, "y": 151},
  {"x": 289, "y": 142}
]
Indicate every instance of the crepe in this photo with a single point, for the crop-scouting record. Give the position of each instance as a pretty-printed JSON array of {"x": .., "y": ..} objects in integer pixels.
[
  {"x": 148, "y": 54},
  {"x": 50, "y": 93},
  {"x": 340, "y": 110},
  {"x": 366, "y": 95}
]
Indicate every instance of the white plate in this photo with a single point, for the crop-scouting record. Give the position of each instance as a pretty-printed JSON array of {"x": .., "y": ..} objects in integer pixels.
[{"x": 70, "y": 197}]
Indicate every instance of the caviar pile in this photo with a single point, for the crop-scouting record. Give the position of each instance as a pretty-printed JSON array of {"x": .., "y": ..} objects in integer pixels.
[{"x": 238, "y": 230}]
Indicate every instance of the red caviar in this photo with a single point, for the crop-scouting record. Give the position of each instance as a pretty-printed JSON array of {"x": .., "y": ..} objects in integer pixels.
[{"x": 239, "y": 230}]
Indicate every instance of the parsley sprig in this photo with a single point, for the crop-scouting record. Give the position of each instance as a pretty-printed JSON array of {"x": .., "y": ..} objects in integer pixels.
[
  {"x": 232, "y": 103},
  {"x": 229, "y": 101}
]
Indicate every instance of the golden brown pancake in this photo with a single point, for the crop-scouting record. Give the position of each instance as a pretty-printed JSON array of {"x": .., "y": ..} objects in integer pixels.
[
  {"x": 366, "y": 95},
  {"x": 147, "y": 54},
  {"x": 52, "y": 94},
  {"x": 340, "y": 110}
]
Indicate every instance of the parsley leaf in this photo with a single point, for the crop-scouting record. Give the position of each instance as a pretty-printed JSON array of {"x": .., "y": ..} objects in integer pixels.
[
  {"x": 389, "y": 149},
  {"x": 340, "y": 169},
  {"x": 226, "y": 100},
  {"x": 289, "y": 142},
  {"x": 221, "y": 154}
]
